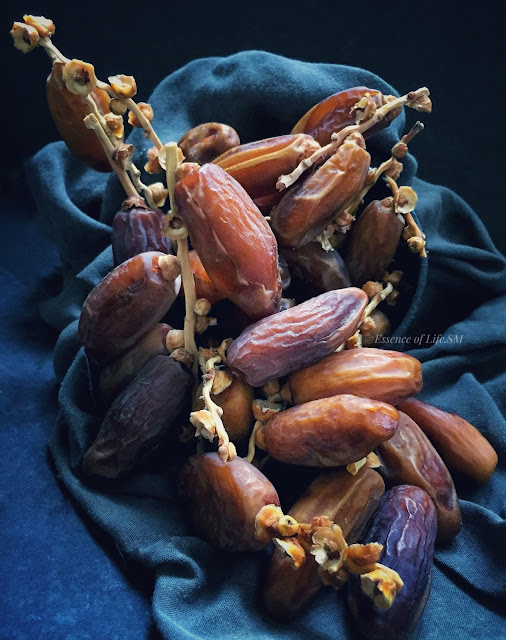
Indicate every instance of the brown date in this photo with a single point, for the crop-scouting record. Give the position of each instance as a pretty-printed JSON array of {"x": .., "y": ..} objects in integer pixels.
[
  {"x": 409, "y": 458},
  {"x": 381, "y": 328},
  {"x": 258, "y": 165},
  {"x": 141, "y": 418},
  {"x": 237, "y": 416},
  {"x": 373, "y": 241},
  {"x": 286, "y": 341},
  {"x": 223, "y": 499},
  {"x": 68, "y": 111},
  {"x": 124, "y": 306},
  {"x": 320, "y": 195},
  {"x": 321, "y": 270},
  {"x": 207, "y": 141},
  {"x": 405, "y": 524},
  {"x": 232, "y": 238},
  {"x": 349, "y": 501},
  {"x": 119, "y": 373},
  {"x": 389, "y": 376},
  {"x": 136, "y": 229},
  {"x": 462, "y": 446},
  {"x": 329, "y": 432},
  {"x": 335, "y": 113},
  {"x": 204, "y": 288}
]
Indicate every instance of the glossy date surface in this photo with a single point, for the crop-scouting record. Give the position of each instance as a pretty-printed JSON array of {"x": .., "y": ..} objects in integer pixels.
[
  {"x": 409, "y": 458},
  {"x": 329, "y": 432},
  {"x": 234, "y": 242},
  {"x": 223, "y": 499},
  {"x": 380, "y": 374}
]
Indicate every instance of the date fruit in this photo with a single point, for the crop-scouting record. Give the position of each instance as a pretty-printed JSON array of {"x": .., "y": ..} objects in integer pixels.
[
  {"x": 204, "y": 288},
  {"x": 232, "y": 238},
  {"x": 335, "y": 113},
  {"x": 409, "y": 458},
  {"x": 461, "y": 445},
  {"x": 223, "y": 499},
  {"x": 329, "y": 432},
  {"x": 389, "y": 376},
  {"x": 373, "y": 241},
  {"x": 320, "y": 195},
  {"x": 68, "y": 111},
  {"x": 349, "y": 501},
  {"x": 137, "y": 229},
  {"x": 291, "y": 339},
  {"x": 124, "y": 306},
  {"x": 321, "y": 270},
  {"x": 141, "y": 418},
  {"x": 207, "y": 141},
  {"x": 257, "y": 165},
  {"x": 405, "y": 524},
  {"x": 119, "y": 373}
]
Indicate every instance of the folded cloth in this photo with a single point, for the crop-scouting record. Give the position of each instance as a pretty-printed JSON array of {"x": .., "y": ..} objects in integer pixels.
[{"x": 456, "y": 330}]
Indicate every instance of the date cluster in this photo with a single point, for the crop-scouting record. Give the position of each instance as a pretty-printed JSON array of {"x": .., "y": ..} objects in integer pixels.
[{"x": 292, "y": 259}]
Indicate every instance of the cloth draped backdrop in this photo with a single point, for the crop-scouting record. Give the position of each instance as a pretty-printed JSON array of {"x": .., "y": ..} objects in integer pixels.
[{"x": 200, "y": 592}]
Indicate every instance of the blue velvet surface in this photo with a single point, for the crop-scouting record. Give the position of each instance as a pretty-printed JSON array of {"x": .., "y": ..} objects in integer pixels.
[{"x": 200, "y": 592}]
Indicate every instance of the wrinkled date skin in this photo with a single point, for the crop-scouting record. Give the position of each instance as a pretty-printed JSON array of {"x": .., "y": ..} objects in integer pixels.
[
  {"x": 318, "y": 197},
  {"x": 140, "y": 419},
  {"x": 223, "y": 499},
  {"x": 291, "y": 339},
  {"x": 68, "y": 111},
  {"x": 329, "y": 432},
  {"x": 322, "y": 270},
  {"x": 137, "y": 229},
  {"x": 232, "y": 238},
  {"x": 347, "y": 500},
  {"x": 207, "y": 141},
  {"x": 372, "y": 242},
  {"x": 334, "y": 114},
  {"x": 124, "y": 306},
  {"x": 119, "y": 373},
  {"x": 461, "y": 445},
  {"x": 409, "y": 458},
  {"x": 405, "y": 524},
  {"x": 258, "y": 165},
  {"x": 389, "y": 376}
]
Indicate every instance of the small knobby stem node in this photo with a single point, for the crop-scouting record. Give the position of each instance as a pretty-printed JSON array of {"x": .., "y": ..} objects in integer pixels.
[
  {"x": 91, "y": 122},
  {"x": 207, "y": 422},
  {"x": 336, "y": 560},
  {"x": 405, "y": 200},
  {"x": 415, "y": 99}
]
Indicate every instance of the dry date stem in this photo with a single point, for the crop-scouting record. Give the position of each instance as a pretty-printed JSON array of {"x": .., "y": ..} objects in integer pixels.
[
  {"x": 336, "y": 559},
  {"x": 92, "y": 122},
  {"x": 208, "y": 421},
  {"x": 405, "y": 200},
  {"x": 416, "y": 99},
  {"x": 180, "y": 235},
  {"x": 399, "y": 151}
]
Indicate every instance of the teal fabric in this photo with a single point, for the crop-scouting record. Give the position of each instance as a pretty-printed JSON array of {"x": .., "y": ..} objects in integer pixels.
[{"x": 200, "y": 592}]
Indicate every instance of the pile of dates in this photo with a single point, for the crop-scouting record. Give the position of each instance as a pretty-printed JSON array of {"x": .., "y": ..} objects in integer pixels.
[{"x": 292, "y": 256}]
